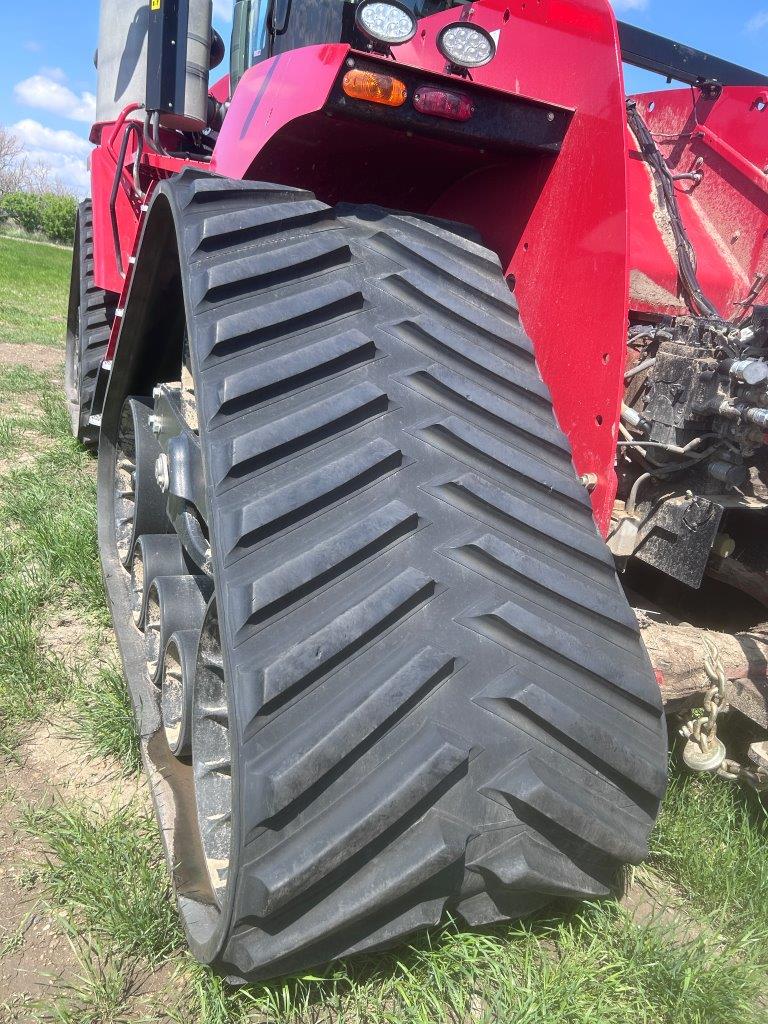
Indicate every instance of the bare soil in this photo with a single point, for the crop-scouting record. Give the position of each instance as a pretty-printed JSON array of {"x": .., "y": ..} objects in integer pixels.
[
  {"x": 49, "y": 766},
  {"x": 36, "y": 954},
  {"x": 653, "y": 900},
  {"x": 62, "y": 636},
  {"x": 36, "y": 357},
  {"x": 64, "y": 770}
]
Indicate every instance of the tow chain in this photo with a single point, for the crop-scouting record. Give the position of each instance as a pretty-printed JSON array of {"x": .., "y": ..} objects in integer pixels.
[{"x": 705, "y": 751}]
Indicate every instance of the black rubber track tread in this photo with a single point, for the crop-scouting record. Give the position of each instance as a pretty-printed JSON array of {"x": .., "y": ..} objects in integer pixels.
[
  {"x": 90, "y": 332},
  {"x": 439, "y": 699}
]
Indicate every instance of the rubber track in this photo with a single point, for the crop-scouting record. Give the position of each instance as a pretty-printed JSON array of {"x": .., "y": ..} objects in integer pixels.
[
  {"x": 442, "y": 700},
  {"x": 97, "y": 313}
]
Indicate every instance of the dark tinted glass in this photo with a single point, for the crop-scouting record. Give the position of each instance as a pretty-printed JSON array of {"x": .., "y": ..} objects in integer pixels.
[{"x": 308, "y": 22}]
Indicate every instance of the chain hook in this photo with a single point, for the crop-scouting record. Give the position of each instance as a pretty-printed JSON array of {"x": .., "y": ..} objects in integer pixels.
[{"x": 705, "y": 751}]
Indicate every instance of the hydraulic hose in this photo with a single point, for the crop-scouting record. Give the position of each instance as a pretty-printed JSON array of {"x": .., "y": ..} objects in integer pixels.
[{"x": 697, "y": 301}]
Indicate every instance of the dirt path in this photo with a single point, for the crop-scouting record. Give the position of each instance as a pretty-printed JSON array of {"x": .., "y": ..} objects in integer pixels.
[
  {"x": 36, "y": 357},
  {"x": 48, "y": 767}
]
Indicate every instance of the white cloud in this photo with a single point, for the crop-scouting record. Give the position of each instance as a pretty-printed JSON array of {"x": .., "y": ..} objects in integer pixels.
[
  {"x": 56, "y": 74},
  {"x": 63, "y": 154},
  {"x": 630, "y": 5},
  {"x": 34, "y": 135},
  {"x": 759, "y": 21},
  {"x": 48, "y": 91},
  {"x": 222, "y": 9}
]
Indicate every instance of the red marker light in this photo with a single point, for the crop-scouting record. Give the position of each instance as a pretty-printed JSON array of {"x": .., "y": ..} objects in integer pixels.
[{"x": 441, "y": 103}]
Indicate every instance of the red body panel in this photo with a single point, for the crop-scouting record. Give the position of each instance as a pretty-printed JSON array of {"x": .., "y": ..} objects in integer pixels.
[
  {"x": 270, "y": 96},
  {"x": 110, "y": 253},
  {"x": 565, "y": 243},
  {"x": 725, "y": 215},
  {"x": 560, "y": 223}
]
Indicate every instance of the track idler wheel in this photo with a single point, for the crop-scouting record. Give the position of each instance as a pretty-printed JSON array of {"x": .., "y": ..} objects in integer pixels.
[
  {"x": 154, "y": 555},
  {"x": 173, "y": 603},
  {"x": 176, "y": 689},
  {"x": 139, "y": 506}
]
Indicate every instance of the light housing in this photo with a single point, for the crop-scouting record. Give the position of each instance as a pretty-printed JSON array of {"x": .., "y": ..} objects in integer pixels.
[
  {"x": 385, "y": 21},
  {"x": 453, "y": 106},
  {"x": 466, "y": 45},
  {"x": 374, "y": 88}
]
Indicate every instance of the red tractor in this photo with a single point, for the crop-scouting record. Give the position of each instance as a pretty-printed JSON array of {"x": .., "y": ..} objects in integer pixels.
[{"x": 379, "y": 338}]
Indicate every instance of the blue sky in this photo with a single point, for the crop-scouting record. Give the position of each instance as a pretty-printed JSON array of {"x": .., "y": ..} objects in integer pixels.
[{"x": 47, "y": 79}]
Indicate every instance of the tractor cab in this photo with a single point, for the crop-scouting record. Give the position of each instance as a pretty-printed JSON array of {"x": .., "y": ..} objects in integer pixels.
[{"x": 264, "y": 28}]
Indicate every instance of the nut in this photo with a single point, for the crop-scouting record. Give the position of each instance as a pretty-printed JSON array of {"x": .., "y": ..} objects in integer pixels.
[{"x": 162, "y": 472}]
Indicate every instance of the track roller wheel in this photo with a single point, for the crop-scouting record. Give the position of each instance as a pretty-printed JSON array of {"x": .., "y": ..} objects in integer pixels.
[
  {"x": 177, "y": 690},
  {"x": 155, "y": 555},
  {"x": 173, "y": 603},
  {"x": 419, "y": 689},
  {"x": 140, "y": 506}
]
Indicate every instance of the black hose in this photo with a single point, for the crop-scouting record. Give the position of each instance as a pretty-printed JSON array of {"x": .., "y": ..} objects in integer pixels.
[{"x": 697, "y": 301}]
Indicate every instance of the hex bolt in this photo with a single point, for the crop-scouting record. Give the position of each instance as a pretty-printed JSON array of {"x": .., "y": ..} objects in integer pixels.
[
  {"x": 157, "y": 391},
  {"x": 162, "y": 472},
  {"x": 154, "y": 423},
  {"x": 590, "y": 481}
]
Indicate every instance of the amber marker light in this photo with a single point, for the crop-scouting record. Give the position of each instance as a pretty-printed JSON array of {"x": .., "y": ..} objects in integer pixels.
[{"x": 367, "y": 85}]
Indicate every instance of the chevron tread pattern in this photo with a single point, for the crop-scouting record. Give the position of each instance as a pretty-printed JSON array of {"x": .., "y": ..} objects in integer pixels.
[
  {"x": 97, "y": 311},
  {"x": 439, "y": 697}
]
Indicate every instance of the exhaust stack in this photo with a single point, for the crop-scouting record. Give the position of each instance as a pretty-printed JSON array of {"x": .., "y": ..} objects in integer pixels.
[{"x": 157, "y": 53}]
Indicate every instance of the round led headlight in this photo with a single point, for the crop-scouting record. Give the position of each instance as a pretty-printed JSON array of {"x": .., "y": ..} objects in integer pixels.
[
  {"x": 385, "y": 22},
  {"x": 468, "y": 46}
]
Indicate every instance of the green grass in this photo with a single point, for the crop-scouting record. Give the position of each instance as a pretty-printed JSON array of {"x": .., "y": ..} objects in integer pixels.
[
  {"x": 98, "y": 992},
  {"x": 48, "y": 557},
  {"x": 10, "y": 438},
  {"x": 712, "y": 840},
  {"x": 34, "y": 289},
  {"x": 103, "y": 719},
  {"x": 595, "y": 965},
  {"x": 106, "y": 871},
  {"x": 50, "y": 505},
  {"x": 21, "y": 380},
  {"x": 31, "y": 679},
  {"x": 17, "y": 386}
]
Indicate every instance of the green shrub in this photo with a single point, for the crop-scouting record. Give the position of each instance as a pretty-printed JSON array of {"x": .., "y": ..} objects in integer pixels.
[
  {"x": 25, "y": 208},
  {"x": 58, "y": 215},
  {"x": 45, "y": 212}
]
